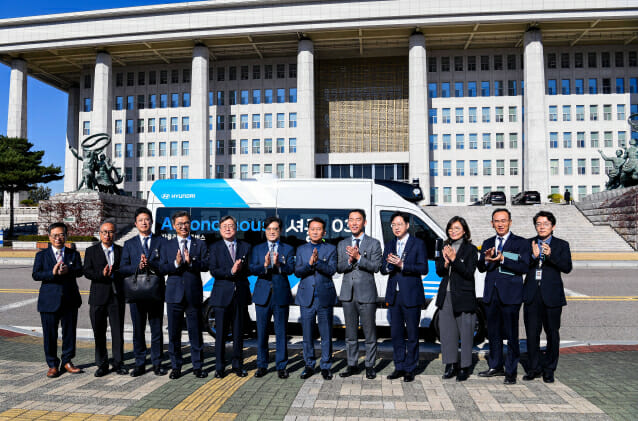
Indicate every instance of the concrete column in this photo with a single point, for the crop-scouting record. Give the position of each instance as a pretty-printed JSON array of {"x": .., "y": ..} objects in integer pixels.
[
  {"x": 102, "y": 96},
  {"x": 17, "y": 117},
  {"x": 535, "y": 144},
  {"x": 306, "y": 110},
  {"x": 199, "y": 114},
  {"x": 419, "y": 159},
  {"x": 71, "y": 163}
]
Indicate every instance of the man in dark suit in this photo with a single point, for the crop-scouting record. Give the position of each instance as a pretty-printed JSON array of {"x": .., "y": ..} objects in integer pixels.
[
  {"x": 405, "y": 259},
  {"x": 106, "y": 299},
  {"x": 359, "y": 258},
  {"x": 544, "y": 296},
  {"x": 58, "y": 268},
  {"x": 505, "y": 257},
  {"x": 315, "y": 264},
  {"x": 272, "y": 262},
  {"x": 231, "y": 293},
  {"x": 183, "y": 259},
  {"x": 142, "y": 253}
]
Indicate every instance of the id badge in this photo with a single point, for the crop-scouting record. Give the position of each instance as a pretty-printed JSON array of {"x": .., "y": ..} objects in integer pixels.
[{"x": 539, "y": 274}]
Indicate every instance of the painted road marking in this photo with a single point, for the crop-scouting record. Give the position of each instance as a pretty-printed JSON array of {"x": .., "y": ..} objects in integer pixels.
[
  {"x": 28, "y": 291},
  {"x": 570, "y": 293},
  {"x": 18, "y": 304}
]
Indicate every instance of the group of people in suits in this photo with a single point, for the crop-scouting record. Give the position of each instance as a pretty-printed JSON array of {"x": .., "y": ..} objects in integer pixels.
[
  {"x": 505, "y": 257},
  {"x": 518, "y": 271}
]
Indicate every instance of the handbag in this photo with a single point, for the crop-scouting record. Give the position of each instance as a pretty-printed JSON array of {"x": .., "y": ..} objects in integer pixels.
[{"x": 144, "y": 285}]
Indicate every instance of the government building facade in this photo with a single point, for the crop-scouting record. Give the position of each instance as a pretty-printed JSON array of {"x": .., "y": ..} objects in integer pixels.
[{"x": 463, "y": 98}]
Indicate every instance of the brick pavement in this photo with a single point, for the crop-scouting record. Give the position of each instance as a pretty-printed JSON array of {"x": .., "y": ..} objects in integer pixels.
[{"x": 591, "y": 384}]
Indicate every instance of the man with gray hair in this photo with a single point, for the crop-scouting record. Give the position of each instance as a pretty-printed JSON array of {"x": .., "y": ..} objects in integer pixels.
[{"x": 106, "y": 299}]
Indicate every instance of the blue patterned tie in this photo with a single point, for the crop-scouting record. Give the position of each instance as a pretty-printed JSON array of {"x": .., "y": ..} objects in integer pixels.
[{"x": 500, "y": 244}]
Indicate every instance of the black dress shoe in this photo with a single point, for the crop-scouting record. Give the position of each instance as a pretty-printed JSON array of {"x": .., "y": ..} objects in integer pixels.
[
  {"x": 326, "y": 374},
  {"x": 261, "y": 372},
  {"x": 138, "y": 371},
  {"x": 307, "y": 372},
  {"x": 531, "y": 376},
  {"x": 176, "y": 373},
  {"x": 158, "y": 370},
  {"x": 240, "y": 372},
  {"x": 408, "y": 377},
  {"x": 370, "y": 373},
  {"x": 548, "y": 377},
  {"x": 101, "y": 371},
  {"x": 450, "y": 371},
  {"x": 351, "y": 370},
  {"x": 396, "y": 374},
  {"x": 219, "y": 374},
  {"x": 492, "y": 372},
  {"x": 510, "y": 379},
  {"x": 463, "y": 374},
  {"x": 283, "y": 374},
  {"x": 199, "y": 373}
]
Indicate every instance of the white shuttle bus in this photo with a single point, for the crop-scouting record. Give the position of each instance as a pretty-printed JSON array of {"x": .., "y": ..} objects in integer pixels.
[{"x": 296, "y": 201}]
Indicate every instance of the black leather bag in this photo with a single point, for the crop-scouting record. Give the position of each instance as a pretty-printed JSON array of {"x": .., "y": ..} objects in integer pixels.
[{"x": 144, "y": 286}]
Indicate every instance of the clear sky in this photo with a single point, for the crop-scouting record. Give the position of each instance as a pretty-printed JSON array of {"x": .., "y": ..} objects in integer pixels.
[{"x": 46, "y": 106}]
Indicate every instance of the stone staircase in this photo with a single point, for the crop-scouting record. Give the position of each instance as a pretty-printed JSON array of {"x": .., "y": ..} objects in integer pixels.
[
  {"x": 128, "y": 232},
  {"x": 571, "y": 225}
]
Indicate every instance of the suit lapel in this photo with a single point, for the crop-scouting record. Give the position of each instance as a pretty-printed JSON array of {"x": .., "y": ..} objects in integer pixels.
[{"x": 408, "y": 246}]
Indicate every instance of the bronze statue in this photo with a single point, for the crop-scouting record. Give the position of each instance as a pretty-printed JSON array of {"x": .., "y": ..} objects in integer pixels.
[
  {"x": 625, "y": 165},
  {"x": 98, "y": 172}
]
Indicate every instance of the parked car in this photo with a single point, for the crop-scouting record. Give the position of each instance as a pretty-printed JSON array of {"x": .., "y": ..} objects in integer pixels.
[
  {"x": 494, "y": 198},
  {"x": 529, "y": 197}
]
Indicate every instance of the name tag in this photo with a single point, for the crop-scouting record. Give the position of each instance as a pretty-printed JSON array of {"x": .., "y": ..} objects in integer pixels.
[{"x": 539, "y": 274}]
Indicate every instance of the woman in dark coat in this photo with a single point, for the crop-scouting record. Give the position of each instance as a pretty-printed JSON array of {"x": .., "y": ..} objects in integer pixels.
[{"x": 456, "y": 298}]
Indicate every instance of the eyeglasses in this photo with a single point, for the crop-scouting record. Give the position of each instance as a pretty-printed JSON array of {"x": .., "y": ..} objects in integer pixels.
[
  {"x": 228, "y": 226},
  {"x": 57, "y": 235},
  {"x": 543, "y": 224},
  {"x": 456, "y": 229},
  {"x": 396, "y": 225},
  {"x": 272, "y": 229},
  {"x": 183, "y": 224},
  {"x": 107, "y": 232},
  {"x": 500, "y": 221}
]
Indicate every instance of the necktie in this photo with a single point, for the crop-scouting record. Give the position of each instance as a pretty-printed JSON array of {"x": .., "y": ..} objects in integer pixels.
[
  {"x": 399, "y": 248},
  {"x": 540, "y": 249},
  {"x": 145, "y": 246},
  {"x": 272, "y": 254},
  {"x": 109, "y": 257},
  {"x": 357, "y": 241},
  {"x": 184, "y": 249},
  {"x": 500, "y": 244},
  {"x": 231, "y": 248},
  {"x": 58, "y": 256}
]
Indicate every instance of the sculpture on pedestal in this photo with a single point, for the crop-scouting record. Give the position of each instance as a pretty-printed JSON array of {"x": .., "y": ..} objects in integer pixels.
[
  {"x": 624, "y": 171},
  {"x": 98, "y": 172}
]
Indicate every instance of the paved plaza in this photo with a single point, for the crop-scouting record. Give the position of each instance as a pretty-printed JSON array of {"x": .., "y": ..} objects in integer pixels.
[{"x": 592, "y": 383}]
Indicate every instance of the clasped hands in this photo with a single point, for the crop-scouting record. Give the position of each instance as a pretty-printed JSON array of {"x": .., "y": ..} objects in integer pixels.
[
  {"x": 536, "y": 250},
  {"x": 275, "y": 260},
  {"x": 353, "y": 254},
  {"x": 60, "y": 268},
  {"x": 395, "y": 260},
  {"x": 449, "y": 254},
  {"x": 492, "y": 256}
]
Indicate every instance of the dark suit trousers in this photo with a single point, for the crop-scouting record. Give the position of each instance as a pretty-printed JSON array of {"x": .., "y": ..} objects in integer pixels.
[
  {"x": 502, "y": 323},
  {"x": 233, "y": 314},
  {"x": 154, "y": 312},
  {"x": 317, "y": 315},
  {"x": 114, "y": 311},
  {"x": 175, "y": 312},
  {"x": 68, "y": 317},
  {"x": 538, "y": 316},
  {"x": 353, "y": 311},
  {"x": 405, "y": 353},
  {"x": 264, "y": 313}
]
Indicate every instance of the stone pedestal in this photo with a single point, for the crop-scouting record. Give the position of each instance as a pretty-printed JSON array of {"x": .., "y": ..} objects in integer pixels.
[
  {"x": 617, "y": 208},
  {"x": 83, "y": 211}
]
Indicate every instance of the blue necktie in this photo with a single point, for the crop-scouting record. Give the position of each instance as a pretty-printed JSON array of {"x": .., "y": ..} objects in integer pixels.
[
  {"x": 145, "y": 246},
  {"x": 357, "y": 241},
  {"x": 500, "y": 244}
]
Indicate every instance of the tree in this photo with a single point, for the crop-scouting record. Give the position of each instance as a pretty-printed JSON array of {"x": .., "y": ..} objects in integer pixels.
[
  {"x": 39, "y": 193},
  {"x": 21, "y": 169}
]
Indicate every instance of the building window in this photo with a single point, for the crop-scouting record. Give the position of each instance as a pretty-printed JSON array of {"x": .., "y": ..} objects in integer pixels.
[
  {"x": 460, "y": 141},
  {"x": 280, "y": 170},
  {"x": 445, "y": 116},
  {"x": 243, "y": 72},
  {"x": 174, "y": 125},
  {"x": 498, "y": 88},
  {"x": 485, "y": 114},
  {"x": 118, "y": 126},
  {"x": 580, "y": 139},
  {"x": 445, "y": 90},
  {"x": 458, "y": 89},
  {"x": 565, "y": 86},
  {"x": 620, "y": 111},
  {"x": 487, "y": 142},
  {"x": 129, "y": 150},
  {"x": 162, "y": 173},
  {"x": 622, "y": 139},
  {"x": 292, "y": 120},
  {"x": 608, "y": 140},
  {"x": 567, "y": 112},
  {"x": 118, "y": 150},
  {"x": 551, "y": 61},
  {"x": 140, "y": 125},
  {"x": 256, "y": 96},
  {"x": 433, "y": 142},
  {"x": 281, "y": 122},
  {"x": 472, "y": 115},
  {"x": 485, "y": 62},
  {"x": 471, "y": 89},
  {"x": 579, "y": 86},
  {"x": 460, "y": 194},
  {"x": 173, "y": 173},
  {"x": 553, "y": 167},
  {"x": 162, "y": 149},
  {"x": 485, "y": 88},
  {"x": 551, "y": 87},
  {"x": 567, "y": 167},
  {"x": 267, "y": 121},
  {"x": 593, "y": 139},
  {"x": 292, "y": 145},
  {"x": 473, "y": 168},
  {"x": 567, "y": 140},
  {"x": 434, "y": 168},
  {"x": 432, "y": 115},
  {"x": 256, "y": 147},
  {"x": 498, "y": 114},
  {"x": 513, "y": 140},
  {"x": 607, "y": 112},
  {"x": 119, "y": 80},
  {"x": 128, "y": 174},
  {"x": 87, "y": 105},
  {"x": 553, "y": 113},
  {"x": 460, "y": 168},
  {"x": 292, "y": 170},
  {"x": 553, "y": 140},
  {"x": 513, "y": 166},
  {"x": 511, "y": 88},
  {"x": 512, "y": 114},
  {"x": 185, "y": 147},
  {"x": 185, "y": 172},
  {"x": 564, "y": 60},
  {"x": 292, "y": 94},
  {"x": 280, "y": 145},
  {"x": 447, "y": 141},
  {"x": 256, "y": 121},
  {"x": 243, "y": 121},
  {"x": 499, "y": 140},
  {"x": 593, "y": 86},
  {"x": 473, "y": 141},
  {"x": 243, "y": 146},
  {"x": 459, "y": 115},
  {"x": 86, "y": 128},
  {"x": 267, "y": 146},
  {"x": 267, "y": 96},
  {"x": 593, "y": 112},
  {"x": 150, "y": 174},
  {"x": 173, "y": 150},
  {"x": 185, "y": 124},
  {"x": 580, "y": 113},
  {"x": 243, "y": 97},
  {"x": 431, "y": 64},
  {"x": 281, "y": 96},
  {"x": 500, "y": 167},
  {"x": 129, "y": 126},
  {"x": 119, "y": 103},
  {"x": 150, "y": 149},
  {"x": 139, "y": 174},
  {"x": 447, "y": 168},
  {"x": 232, "y": 147}
]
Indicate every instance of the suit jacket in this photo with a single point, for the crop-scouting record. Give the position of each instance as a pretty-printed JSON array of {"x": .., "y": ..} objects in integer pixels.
[
  {"x": 460, "y": 276},
  {"x": 132, "y": 252},
  {"x": 272, "y": 282},
  {"x": 102, "y": 286},
  {"x": 415, "y": 265},
  {"x": 184, "y": 281},
  {"x": 358, "y": 278},
  {"x": 227, "y": 285},
  {"x": 507, "y": 277},
  {"x": 57, "y": 290},
  {"x": 551, "y": 285},
  {"x": 316, "y": 279}
]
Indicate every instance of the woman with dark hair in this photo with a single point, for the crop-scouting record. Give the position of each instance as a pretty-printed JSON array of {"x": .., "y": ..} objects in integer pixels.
[{"x": 456, "y": 298}]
